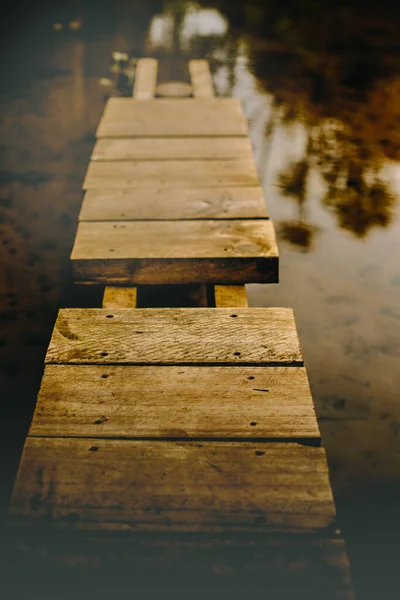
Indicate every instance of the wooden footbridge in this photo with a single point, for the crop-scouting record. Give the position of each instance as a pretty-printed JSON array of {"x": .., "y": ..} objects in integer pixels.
[{"x": 174, "y": 450}]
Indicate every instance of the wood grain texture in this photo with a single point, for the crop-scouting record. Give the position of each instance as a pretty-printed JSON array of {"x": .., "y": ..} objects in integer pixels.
[
  {"x": 154, "y": 173},
  {"x": 306, "y": 567},
  {"x": 208, "y": 117},
  {"x": 118, "y": 297},
  {"x": 172, "y": 149},
  {"x": 175, "y": 402},
  {"x": 127, "y": 485},
  {"x": 254, "y": 336},
  {"x": 145, "y": 79},
  {"x": 166, "y": 203},
  {"x": 230, "y": 295},
  {"x": 201, "y": 79},
  {"x": 172, "y": 252}
]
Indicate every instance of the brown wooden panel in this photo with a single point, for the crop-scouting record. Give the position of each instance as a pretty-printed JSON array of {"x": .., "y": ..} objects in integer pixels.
[
  {"x": 179, "y": 173},
  {"x": 172, "y": 118},
  {"x": 145, "y": 79},
  {"x": 138, "y": 252},
  {"x": 166, "y": 203},
  {"x": 300, "y": 566},
  {"x": 201, "y": 79},
  {"x": 126, "y": 485},
  {"x": 265, "y": 336},
  {"x": 175, "y": 402},
  {"x": 117, "y": 297},
  {"x": 230, "y": 295},
  {"x": 120, "y": 149}
]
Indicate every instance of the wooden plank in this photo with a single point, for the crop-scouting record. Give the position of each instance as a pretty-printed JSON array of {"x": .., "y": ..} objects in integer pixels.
[
  {"x": 181, "y": 117},
  {"x": 145, "y": 79},
  {"x": 300, "y": 566},
  {"x": 127, "y": 485},
  {"x": 235, "y": 148},
  {"x": 230, "y": 295},
  {"x": 167, "y": 203},
  {"x": 201, "y": 79},
  {"x": 175, "y": 402},
  {"x": 153, "y": 173},
  {"x": 169, "y": 252},
  {"x": 118, "y": 297},
  {"x": 252, "y": 336}
]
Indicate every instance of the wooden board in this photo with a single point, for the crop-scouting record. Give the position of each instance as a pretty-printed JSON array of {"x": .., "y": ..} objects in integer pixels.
[
  {"x": 175, "y": 402},
  {"x": 172, "y": 149},
  {"x": 230, "y": 295},
  {"x": 166, "y": 203},
  {"x": 133, "y": 486},
  {"x": 253, "y": 336},
  {"x": 168, "y": 252},
  {"x": 115, "y": 297},
  {"x": 179, "y": 117},
  {"x": 145, "y": 79},
  {"x": 201, "y": 79},
  {"x": 179, "y": 173},
  {"x": 301, "y": 566}
]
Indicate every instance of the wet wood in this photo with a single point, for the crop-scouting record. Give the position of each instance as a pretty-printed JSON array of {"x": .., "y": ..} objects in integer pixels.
[
  {"x": 173, "y": 173},
  {"x": 253, "y": 336},
  {"x": 201, "y": 79},
  {"x": 181, "y": 117},
  {"x": 109, "y": 149},
  {"x": 145, "y": 79},
  {"x": 168, "y": 203},
  {"x": 126, "y": 485},
  {"x": 230, "y": 295},
  {"x": 300, "y": 566},
  {"x": 175, "y": 402},
  {"x": 156, "y": 252},
  {"x": 118, "y": 297}
]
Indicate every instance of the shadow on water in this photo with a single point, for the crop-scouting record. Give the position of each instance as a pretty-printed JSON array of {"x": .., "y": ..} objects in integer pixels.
[{"x": 320, "y": 85}]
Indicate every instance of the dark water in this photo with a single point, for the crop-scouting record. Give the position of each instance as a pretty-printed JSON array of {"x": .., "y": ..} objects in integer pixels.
[{"x": 320, "y": 85}]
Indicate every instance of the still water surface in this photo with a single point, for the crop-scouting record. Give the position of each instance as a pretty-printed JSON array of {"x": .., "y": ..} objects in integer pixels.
[{"x": 320, "y": 86}]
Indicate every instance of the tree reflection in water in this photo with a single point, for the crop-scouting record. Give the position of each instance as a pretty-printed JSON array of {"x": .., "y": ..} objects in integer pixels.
[{"x": 333, "y": 68}]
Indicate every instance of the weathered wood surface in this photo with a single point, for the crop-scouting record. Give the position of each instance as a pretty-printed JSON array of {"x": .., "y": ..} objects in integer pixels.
[
  {"x": 179, "y": 173},
  {"x": 167, "y": 203},
  {"x": 162, "y": 117},
  {"x": 201, "y": 79},
  {"x": 127, "y": 485},
  {"x": 175, "y": 239},
  {"x": 169, "y": 252},
  {"x": 145, "y": 79},
  {"x": 175, "y": 402},
  {"x": 227, "y": 296},
  {"x": 306, "y": 567},
  {"x": 172, "y": 149},
  {"x": 253, "y": 336},
  {"x": 115, "y": 297}
]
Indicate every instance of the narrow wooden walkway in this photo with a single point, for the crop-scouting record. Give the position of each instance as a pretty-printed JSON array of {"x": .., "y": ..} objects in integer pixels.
[{"x": 176, "y": 449}]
